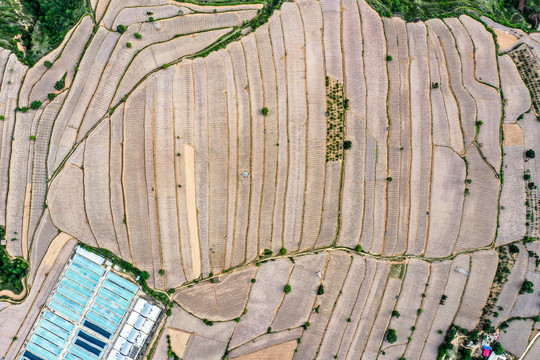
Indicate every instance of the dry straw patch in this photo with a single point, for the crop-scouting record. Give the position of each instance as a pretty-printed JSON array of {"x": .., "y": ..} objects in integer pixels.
[
  {"x": 504, "y": 39},
  {"x": 280, "y": 351},
  {"x": 179, "y": 340},
  {"x": 512, "y": 135}
]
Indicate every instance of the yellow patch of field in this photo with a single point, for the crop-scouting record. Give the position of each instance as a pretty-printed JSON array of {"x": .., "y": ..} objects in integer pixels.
[
  {"x": 512, "y": 135},
  {"x": 56, "y": 246},
  {"x": 504, "y": 39},
  {"x": 179, "y": 340},
  {"x": 26, "y": 220},
  {"x": 276, "y": 352},
  {"x": 189, "y": 161}
]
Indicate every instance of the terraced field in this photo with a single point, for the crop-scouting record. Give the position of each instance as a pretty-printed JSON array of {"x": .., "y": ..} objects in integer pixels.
[{"x": 373, "y": 165}]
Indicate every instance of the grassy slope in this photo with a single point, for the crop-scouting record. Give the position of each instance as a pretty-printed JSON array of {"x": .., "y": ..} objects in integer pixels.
[
  {"x": 32, "y": 28},
  {"x": 425, "y": 9}
]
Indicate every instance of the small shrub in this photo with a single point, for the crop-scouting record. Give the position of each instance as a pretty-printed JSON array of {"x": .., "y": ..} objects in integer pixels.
[
  {"x": 171, "y": 291},
  {"x": 51, "y": 96},
  {"x": 434, "y": 85},
  {"x": 347, "y": 144},
  {"x": 349, "y": 320},
  {"x": 468, "y": 181},
  {"x": 121, "y": 28},
  {"x": 320, "y": 290},
  {"x": 169, "y": 312},
  {"x": 264, "y": 111},
  {"x": 513, "y": 248},
  {"x": 150, "y": 19},
  {"x": 60, "y": 84},
  {"x": 237, "y": 320},
  {"x": 287, "y": 289},
  {"x": 389, "y": 178},
  {"x": 443, "y": 299},
  {"x": 396, "y": 314},
  {"x": 358, "y": 248},
  {"x": 128, "y": 45},
  {"x": 526, "y": 287},
  {"x": 283, "y": 251},
  {"x": 389, "y": 58},
  {"x": 47, "y": 64},
  {"x": 137, "y": 36},
  {"x": 391, "y": 336},
  {"x": 527, "y": 177},
  {"x": 253, "y": 280},
  {"x": 32, "y": 137},
  {"x": 164, "y": 66},
  {"x": 208, "y": 322},
  {"x": 2, "y": 117},
  {"x": 161, "y": 272},
  {"x": 530, "y": 154},
  {"x": 318, "y": 309},
  {"x": 36, "y": 104},
  {"x": 419, "y": 311}
]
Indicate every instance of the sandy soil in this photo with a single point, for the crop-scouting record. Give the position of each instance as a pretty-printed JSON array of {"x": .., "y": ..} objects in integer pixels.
[
  {"x": 512, "y": 135},
  {"x": 189, "y": 160},
  {"x": 276, "y": 352},
  {"x": 504, "y": 39},
  {"x": 179, "y": 340},
  {"x": 26, "y": 220}
]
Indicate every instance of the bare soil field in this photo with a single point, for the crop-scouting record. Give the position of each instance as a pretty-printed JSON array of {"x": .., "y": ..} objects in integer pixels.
[{"x": 303, "y": 180}]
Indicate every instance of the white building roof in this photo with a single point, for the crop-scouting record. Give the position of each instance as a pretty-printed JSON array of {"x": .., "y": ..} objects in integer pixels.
[
  {"x": 139, "y": 341},
  {"x": 154, "y": 313},
  {"x": 113, "y": 355},
  {"x": 90, "y": 255},
  {"x": 126, "y": 330},
  {"x": 147, "y": 326},
  {"x": 133, "y": 335},
  {"x": 139, "y": 323},
  {"x": 120, "y": 342},
  {"x": 139, "y": 305},
  {"x": 132, "y": 319},
  {"x": 126, "y": 348},
  {"x": 146, "y": 311}
]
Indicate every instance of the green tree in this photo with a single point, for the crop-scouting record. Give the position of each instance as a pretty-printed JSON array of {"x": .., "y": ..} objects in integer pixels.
[
  {"x": 60, "y": 84},
  {"x": 36, "y": 104},
  {"x": 526, "y": 287},
  {"x": 391, "y": 336},
  {"x": 264, "y": 111},
  {"x": 287, "y": 288},
  {"x": 498, "y": 348},
  {"x": 530, "y": 154}
]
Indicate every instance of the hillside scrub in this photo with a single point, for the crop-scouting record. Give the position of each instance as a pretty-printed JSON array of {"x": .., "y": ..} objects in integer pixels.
[
  {"x": 12, "y": 271},
  {"x": 37, "y": 26},
  {"x": 502, "y": 11}
]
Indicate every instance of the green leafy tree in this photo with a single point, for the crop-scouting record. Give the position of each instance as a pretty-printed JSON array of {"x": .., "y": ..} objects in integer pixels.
[
  {"x": 498, "y": 348},
  {"x": 35, "y": 104},
  {"x": 391, "y": 336}
]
